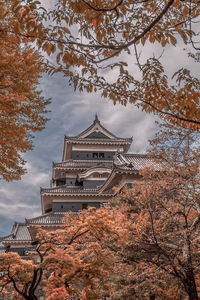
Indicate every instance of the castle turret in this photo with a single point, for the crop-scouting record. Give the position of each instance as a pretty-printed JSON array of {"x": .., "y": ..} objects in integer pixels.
[{"x": 86, "y": 164}]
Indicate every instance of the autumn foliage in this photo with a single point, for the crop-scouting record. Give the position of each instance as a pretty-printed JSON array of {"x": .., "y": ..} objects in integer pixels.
[
  {"x": 92, "y": 43},
  {"x": 21, "y": 105},
  {"x": 91, "y": 39},
  {"x": 143, "y": 245}
]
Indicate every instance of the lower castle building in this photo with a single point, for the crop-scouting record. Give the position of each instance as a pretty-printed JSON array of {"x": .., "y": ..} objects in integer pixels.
[{"x": 93, "y": 163}]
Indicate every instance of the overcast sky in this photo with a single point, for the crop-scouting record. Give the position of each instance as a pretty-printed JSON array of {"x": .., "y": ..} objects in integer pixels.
[{"x": 71, "y": 113}]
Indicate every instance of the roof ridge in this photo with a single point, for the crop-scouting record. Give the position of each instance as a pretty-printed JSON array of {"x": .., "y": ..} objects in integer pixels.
[
  {"x": 62, "y": 186},
  {"x": 97, "y": 121},
  {"x": 102, "y": 139},
  {"x": 135, "y": 154},
  {"x": 83, "y": 160},
  {"x": 47, "y": 214},
  {"x": 46, "y": 218},
  {"x": 122, "y": 158},
  {"x": 19, "y": 223},
  {"x": 95, "y": 167},
  {"x": 2, "y": 238}
]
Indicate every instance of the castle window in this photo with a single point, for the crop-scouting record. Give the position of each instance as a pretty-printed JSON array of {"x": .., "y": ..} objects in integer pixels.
[
  {"x": 95, "y": 155},
  {"x": 101, "y": 155},
  {"x": 61, "y": 206}
]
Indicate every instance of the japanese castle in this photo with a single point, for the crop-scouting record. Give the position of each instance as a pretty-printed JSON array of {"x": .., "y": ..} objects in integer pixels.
[{"x": 93, "y": 163}]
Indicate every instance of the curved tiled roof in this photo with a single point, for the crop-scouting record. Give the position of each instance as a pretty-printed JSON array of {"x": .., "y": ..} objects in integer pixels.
[
  {"x": 90, "y": 171},
  {"x": 71, "y": 190},
  {"x": 19, "y": 232},
  {"x": 138, "y": 161},
  {"x": 50, "y": 218},
  {"x": 135, "y": 162},
  {"x": 129, "y": 163},
  {"x": 83, "y": 164},
  {"x": 83, "y": 135}
]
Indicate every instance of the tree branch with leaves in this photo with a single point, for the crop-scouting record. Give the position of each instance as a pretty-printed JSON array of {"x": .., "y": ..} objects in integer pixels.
[
  {"x": 89, "y": 40},
  {"x": 22, "y": 108}
]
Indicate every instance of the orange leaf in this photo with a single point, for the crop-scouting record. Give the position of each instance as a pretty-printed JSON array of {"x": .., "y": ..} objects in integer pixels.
[
  {"x": 110, "y": 52},
  {"x": 94, "y": 22},
  {"x": 185, "y": 11}
]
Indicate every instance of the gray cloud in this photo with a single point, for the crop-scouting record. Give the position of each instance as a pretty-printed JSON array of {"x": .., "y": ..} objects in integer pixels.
[{"x": 70, "y": 114}]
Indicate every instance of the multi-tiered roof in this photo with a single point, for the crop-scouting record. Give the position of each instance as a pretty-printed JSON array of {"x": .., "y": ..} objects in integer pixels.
[
  {"x": 93, "y": 163},
  {"x": 86, "y": 164}
]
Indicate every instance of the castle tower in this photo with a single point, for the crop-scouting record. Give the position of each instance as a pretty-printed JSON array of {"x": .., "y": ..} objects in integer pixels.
[
  {"x": 93, "y": 163},
  {"x": 86, "y": 164}
]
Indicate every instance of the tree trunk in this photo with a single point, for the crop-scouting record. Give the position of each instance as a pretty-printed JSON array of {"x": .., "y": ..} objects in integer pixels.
[
  {"x": 191, "y": 288},
  {"x": 193, "y": 296},
  {"x": 32, "y": 297},
  {"x": 189, "y": 282},
  {"x": 192, "y": 293}
]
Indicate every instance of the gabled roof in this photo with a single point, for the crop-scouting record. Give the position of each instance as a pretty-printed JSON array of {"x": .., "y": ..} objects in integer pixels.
[
  {"x": 131, "y": 161},
  {"x": 22, "y": 233},
  {"x": 95, "y": 134},
  {"x": 96, "y": 127},
  {"x": 52, "y": 218},
  {"x": 96, "y": 131},
  {"x": 19, "y": 232},
  {"x": 127, "y": 164}
]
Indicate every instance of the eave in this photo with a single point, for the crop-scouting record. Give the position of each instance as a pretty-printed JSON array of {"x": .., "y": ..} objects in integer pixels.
[
  {"x": 70, "y": 141},
  {"x": 96, "y": 169},
  {"x": 108, "y": 184}
]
